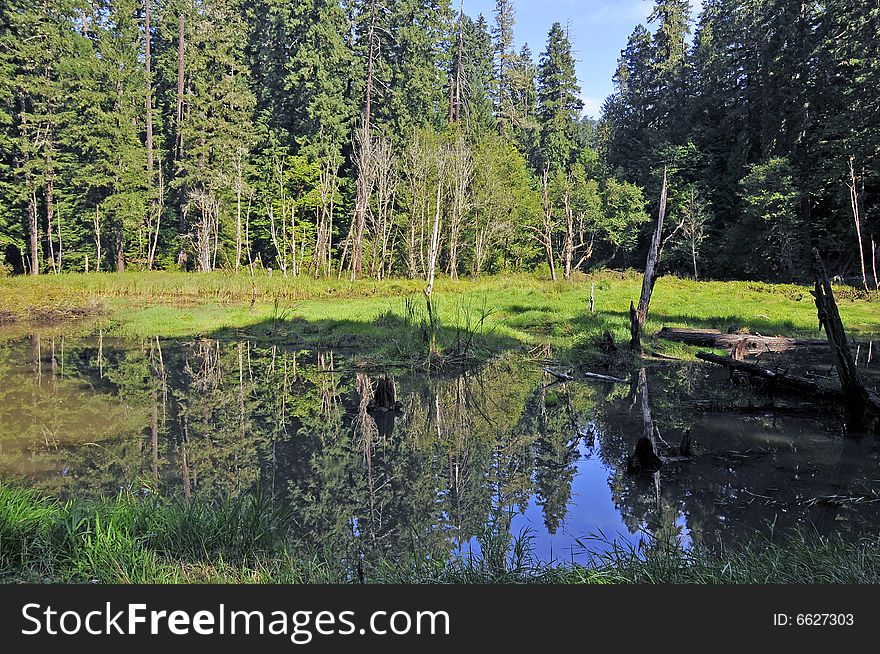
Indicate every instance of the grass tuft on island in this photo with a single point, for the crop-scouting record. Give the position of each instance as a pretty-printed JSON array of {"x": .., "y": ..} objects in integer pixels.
[{"x": 247, "y": 539}]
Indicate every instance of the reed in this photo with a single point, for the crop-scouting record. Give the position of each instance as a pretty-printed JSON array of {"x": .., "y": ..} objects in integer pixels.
[{"x": 248, "y": 539}]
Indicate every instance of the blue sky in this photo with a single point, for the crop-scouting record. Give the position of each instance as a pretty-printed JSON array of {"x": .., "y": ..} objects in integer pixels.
[{"x": 599, "y": 29}]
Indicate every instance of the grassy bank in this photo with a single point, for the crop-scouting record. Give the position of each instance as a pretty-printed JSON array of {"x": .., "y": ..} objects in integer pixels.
[
  {"x": 245, "y": 540},
  {"x": 504, "y": 311}
]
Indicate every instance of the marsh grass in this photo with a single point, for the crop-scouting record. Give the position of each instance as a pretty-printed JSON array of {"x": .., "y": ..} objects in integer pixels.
[
  {"x": 795, "y": 557},
  {"x": 247, "y": 539},
  {"x": 470, "y": 318}
]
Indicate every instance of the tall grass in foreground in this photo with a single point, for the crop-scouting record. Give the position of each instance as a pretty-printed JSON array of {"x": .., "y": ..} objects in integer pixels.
[{"x": 130, "y": 539}]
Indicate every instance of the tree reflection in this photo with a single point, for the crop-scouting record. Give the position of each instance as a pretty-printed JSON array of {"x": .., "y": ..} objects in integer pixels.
[{"x": 456, "y": 456}]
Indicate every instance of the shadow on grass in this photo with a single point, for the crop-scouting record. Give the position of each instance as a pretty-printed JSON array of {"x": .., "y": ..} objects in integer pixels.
[
  {"x": 389, "y": 338},
  {"x": 725, "y": 324}
]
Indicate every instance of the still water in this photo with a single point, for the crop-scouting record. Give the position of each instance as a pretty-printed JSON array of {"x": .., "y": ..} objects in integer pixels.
[{"x": 499, "y": 449}]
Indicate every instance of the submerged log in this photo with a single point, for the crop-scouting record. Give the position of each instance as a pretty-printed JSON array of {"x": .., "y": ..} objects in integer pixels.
[
  {"x": 778, "y": 378},
  {"x": 739, "y": 344}
]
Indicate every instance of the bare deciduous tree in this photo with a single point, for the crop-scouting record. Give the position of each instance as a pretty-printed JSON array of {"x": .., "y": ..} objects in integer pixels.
[
  {"x": 328, "y": 186},
  {"x": 545, "y": 234},
  {"x": 856, "y": 210},
  {"x": 417, "y": 170},
  {"x": 461, "y": 170},
  {"x": 381, "y": 224}
]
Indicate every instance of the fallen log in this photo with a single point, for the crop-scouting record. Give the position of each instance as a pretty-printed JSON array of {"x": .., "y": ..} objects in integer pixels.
[
  {"x": 738, "y": 343},
  {"x": 778, "y": 378},
  {"x": 560, "y": 376}
]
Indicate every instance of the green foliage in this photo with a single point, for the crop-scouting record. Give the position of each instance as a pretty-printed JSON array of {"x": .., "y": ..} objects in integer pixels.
[
  {"x": 770, "y": 202},
  {"x": 107, "y": 157},
  {"x": 559, "y": 103},
  {"x": 507, "y": 201},
  {"x": 763, "y": 81},
  {"x": 624, "y": 212},
  {"x": 255, "y": 107}
]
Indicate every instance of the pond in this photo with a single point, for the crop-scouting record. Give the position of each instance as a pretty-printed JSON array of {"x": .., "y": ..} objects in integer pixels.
[{"x": 465, "y": 458}]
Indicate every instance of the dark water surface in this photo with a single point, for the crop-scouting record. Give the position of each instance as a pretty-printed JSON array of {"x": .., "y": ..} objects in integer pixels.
[{"x": 494, "y": 450}]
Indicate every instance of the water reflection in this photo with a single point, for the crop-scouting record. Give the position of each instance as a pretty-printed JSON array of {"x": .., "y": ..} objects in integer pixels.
[{"x": 373, "y": 461}]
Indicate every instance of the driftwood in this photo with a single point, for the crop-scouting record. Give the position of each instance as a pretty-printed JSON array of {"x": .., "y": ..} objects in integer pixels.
[
  {"x": 738, "y": 344},
  {"x": 595, "y": 376},
  {"x": 858, "y": 397},
  {"x": 559, "y": 376}
]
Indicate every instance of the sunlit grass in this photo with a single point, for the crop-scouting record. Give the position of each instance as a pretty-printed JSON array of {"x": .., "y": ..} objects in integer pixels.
[{"x": 516, "y": 309}]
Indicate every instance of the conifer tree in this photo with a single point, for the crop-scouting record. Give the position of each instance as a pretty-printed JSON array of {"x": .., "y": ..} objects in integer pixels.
[
  {"x": 559, "y": 103},
  {"x": 504, "y": 61}
]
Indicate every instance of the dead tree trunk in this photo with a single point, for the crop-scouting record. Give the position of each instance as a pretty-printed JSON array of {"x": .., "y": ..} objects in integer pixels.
[
  {"x": 854, "y": 199},
  {"x": 547, "y": 222},
  {"x": 635, "y": 342},
  {"x": 859, "y": 399},
  {"x": 874, "y": 263},
  {"x": 639, "y": 316},
  {"x": 33, "y": 234},
  {"x": 653, "y": 259},
  {"x": 645, "y": 458},
  {"x": 384, "y": 396}
]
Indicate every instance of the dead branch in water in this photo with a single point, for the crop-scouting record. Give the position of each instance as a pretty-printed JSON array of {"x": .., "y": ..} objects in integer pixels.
[{"x": 564, "y": 377}]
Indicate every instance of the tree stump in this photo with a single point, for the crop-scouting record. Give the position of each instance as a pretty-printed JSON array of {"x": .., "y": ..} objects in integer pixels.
[{"x": 635, "y": 341}]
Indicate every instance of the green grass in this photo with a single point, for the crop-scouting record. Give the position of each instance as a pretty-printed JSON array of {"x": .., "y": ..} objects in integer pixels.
[
  {"x": 516, "y": 310},
  {"x": 128, "y": 539}
]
